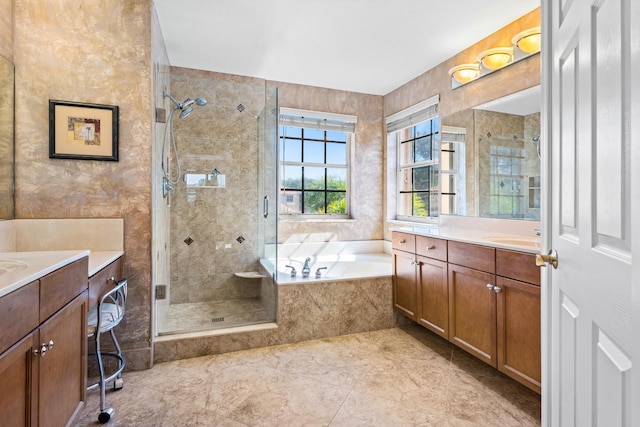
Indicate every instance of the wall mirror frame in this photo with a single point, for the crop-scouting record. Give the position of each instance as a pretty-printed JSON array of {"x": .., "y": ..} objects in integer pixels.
[
  {"x": 7, "y": 144},
  {"x": 496, "y": 172}
]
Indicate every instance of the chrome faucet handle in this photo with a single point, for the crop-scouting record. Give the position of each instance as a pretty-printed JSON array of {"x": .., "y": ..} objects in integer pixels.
[
  {"x": 318, "y": 274},
  {"x": 293, "y": 270}
]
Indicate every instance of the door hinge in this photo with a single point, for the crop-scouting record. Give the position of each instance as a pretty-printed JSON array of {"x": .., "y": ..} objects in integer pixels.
[{"x": 161, "y": 292}]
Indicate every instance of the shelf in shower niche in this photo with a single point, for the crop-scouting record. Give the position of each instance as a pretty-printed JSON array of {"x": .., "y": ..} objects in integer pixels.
[
  {"x": 204, "y": 180},
  {"x": 250, "y": 275}
]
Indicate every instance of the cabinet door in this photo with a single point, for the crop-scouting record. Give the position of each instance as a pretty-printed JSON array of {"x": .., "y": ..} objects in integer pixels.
[
  {"x": 519, "y": 331},
  {"x": 63, "y": 370},
  {"x": 17, "y": 394},
  {"x": 472, "y": 312},
  {"x": 433, "y": 296},
  {"x": 405, "y": 292}
]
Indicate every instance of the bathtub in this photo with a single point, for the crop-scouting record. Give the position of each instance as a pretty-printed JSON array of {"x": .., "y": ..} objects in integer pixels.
[{"x": 338, "y": 267}]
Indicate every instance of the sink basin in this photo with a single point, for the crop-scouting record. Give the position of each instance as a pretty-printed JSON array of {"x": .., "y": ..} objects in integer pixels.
[
  {"x": 532, "y": 242},
  {"x": 11, "y": 266}
]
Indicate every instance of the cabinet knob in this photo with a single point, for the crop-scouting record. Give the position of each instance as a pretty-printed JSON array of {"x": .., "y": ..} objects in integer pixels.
[
  {"x": 430, "y": 248},
  {"x": 489, "y": 286},
  {"x": 498, "y": 289},
  {"x": 403, "y": 241},
  {"x": 50, "y": 347},
  {"x": 42, "y": 351}
]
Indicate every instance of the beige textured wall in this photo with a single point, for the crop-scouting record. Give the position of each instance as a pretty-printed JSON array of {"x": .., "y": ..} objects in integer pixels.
[
  {"x": 96, "y": 51},
  {"x": 367, "y": 168},
  {"x": 6, "y": 109},
  {"x": 6, "y": 29}
]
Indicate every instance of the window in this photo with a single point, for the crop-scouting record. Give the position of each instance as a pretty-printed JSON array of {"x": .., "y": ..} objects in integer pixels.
[
  {"x": 314, "y": 165},
  {"x": 418, "y": 170},
  {"x": 506, "y": 195}
]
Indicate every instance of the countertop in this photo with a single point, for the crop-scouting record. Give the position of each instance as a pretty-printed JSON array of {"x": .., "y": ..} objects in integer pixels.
[
  {"x": 523, "y": 243},
  {"x": 33, "y": 265}
]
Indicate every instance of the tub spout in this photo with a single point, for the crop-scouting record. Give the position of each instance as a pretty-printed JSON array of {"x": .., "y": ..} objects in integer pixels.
[{"x": 306, "y": 269}]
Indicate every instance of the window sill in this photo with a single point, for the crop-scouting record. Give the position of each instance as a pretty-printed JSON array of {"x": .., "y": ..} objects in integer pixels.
[{"x": 324, "y": 220}]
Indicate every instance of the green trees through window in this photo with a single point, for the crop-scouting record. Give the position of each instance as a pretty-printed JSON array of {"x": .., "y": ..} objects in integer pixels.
[{"x": 314, "y": 171}]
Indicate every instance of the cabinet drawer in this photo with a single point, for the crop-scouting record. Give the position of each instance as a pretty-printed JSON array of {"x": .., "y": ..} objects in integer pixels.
[
  {"x": 517, "y": 265},
  {"x": 431, "y": 247},
  {"x": 100, "y": 282},
  {"x": 61, "y": 286},
  {"x": 481, "y": 258},
  {"x": 20, "y": 310},
  {"x": 403, "y": 241}
]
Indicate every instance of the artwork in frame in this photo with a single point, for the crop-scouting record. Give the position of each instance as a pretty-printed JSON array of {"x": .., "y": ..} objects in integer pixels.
[{"x": 83, "y": 131}]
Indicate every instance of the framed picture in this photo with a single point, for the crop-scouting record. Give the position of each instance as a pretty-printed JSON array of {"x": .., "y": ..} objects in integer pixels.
[{"x": 83, "y": 131}]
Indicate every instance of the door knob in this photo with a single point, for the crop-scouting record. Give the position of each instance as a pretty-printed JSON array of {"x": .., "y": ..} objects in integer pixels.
[{"x": 551, "y": 258}]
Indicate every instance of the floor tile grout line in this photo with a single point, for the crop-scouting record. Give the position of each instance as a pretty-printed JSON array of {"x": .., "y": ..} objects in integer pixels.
[{"x": 364, "y": 374}]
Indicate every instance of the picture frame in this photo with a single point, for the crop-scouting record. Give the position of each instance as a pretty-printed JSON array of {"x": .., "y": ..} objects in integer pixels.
[{"x": 83, "y": 131}]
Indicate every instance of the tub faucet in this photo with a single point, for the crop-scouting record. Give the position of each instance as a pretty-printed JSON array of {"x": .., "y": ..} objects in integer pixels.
[
  {"x": 318, "y": 272},
  {"x": 306, "y": 269}
]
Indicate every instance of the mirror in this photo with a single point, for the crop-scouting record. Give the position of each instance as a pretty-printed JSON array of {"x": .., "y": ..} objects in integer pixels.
[
  {"x": 6, "y": 139},
  {"x": 491, "y": 160}
]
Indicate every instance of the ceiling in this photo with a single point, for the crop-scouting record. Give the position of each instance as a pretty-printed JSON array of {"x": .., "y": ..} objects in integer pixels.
[{"x": 368, "y": 46}]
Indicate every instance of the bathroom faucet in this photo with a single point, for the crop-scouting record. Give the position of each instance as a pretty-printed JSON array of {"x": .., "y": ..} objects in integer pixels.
[
  {"x": 306, "y": 269},
  {"x": 293, "y": 270},
  {"x": 318, "y": 272}
]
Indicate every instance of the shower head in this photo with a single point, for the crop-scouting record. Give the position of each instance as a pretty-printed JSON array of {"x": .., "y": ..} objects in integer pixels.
[
  {"x": 185, "y": 112},
  {"x": 185, "y": 106}
]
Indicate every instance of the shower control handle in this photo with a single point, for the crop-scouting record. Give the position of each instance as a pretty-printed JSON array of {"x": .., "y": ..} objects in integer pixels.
[{"x": 265, "y": 206}]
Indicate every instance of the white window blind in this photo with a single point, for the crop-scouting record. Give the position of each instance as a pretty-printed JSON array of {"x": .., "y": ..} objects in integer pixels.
[
  {"x": 413, "y": 115},
  {"x": 317, "y": 120}
]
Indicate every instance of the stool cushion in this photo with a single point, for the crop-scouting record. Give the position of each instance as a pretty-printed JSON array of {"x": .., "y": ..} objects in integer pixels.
[{"x": 112, "y": 314}]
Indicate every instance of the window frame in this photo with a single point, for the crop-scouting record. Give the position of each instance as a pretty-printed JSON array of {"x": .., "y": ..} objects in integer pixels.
[
  {"x": 434, "y": 161},
  {"x": 316, "y": 117}
]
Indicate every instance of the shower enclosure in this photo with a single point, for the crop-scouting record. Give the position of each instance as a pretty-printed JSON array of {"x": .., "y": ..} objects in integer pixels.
[{"x": 220, "y": 212}]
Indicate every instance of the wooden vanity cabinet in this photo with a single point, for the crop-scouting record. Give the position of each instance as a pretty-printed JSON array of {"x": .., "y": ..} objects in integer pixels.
[
  {"x": 518, "y": 317},
  {"x": 405, "y": 290},
  {"x": 104, "y": 280},
  {"x": 472, "y": 300},
  {"x": 420, "y": 280},
  {"x": 46, "y": 388},
  {"x": 433, "y": 288}
]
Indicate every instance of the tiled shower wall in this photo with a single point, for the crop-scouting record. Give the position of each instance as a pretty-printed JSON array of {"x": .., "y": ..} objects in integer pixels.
[{"x": 214, "y": 231}]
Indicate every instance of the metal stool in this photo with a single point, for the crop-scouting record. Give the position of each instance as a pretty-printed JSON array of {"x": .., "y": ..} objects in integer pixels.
[{"x": 103, "y": 317}]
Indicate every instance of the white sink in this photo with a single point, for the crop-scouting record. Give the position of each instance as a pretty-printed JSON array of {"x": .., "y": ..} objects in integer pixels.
[
  {"x": 11, "y": 266},
  {"x": 531, "y": 242}
]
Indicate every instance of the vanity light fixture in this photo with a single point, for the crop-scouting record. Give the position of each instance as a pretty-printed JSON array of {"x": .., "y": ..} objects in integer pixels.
[
  {"x": 528, "y": 41},
  {"x": 525, "y": 44},
  {"x": 496, "y": 58},
  {"x": 465, "y": 73}
]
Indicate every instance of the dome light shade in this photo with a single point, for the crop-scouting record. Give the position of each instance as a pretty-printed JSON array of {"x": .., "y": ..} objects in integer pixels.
[
  {"x": 528, "y": 41},
  {"x": 493, "y": 59},
  {"x": 465, "y": 73}
]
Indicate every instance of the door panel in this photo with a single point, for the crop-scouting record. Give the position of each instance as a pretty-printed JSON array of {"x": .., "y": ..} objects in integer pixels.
[
  {"x": 433, "y": 308},
  {"x": 587, "y": 58}
]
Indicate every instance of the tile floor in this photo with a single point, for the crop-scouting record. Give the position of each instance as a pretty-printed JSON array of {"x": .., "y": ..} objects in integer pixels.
[{"x": 394, "y": 377}]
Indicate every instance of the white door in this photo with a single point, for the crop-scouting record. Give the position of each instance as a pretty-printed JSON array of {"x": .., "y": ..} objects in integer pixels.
[{"x": 590, "y": 65}]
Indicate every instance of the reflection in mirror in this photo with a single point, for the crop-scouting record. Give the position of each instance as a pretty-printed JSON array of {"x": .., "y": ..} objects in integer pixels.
[
  {"x": 498, "y": 165},
  {"x": 6, "y": 139}
]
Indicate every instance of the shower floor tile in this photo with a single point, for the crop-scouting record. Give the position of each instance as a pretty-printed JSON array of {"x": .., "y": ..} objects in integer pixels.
[{"x": 199, "y": 316}]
